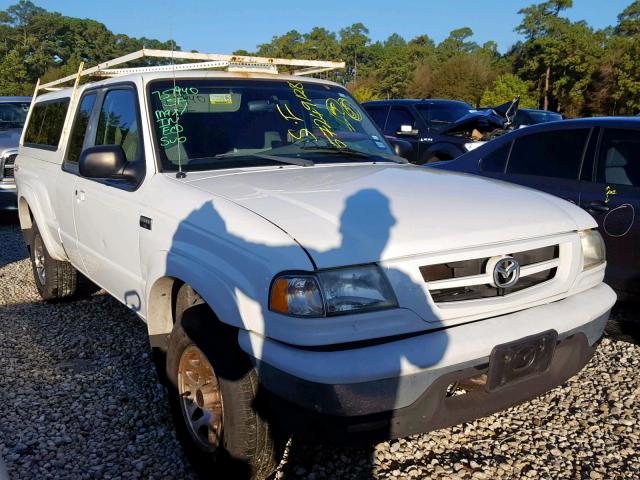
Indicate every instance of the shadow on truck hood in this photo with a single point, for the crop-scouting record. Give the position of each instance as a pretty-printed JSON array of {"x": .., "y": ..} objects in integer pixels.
[{"x": 354, "y": 214}]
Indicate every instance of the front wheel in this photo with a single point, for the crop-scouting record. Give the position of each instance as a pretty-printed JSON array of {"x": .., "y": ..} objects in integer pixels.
[
  {"x": 212, "y": 390},
  {"x": 53, "y": 278}
]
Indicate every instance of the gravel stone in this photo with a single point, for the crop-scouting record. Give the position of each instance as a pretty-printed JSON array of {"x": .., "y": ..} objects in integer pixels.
[{"x": 79, "y": 398}]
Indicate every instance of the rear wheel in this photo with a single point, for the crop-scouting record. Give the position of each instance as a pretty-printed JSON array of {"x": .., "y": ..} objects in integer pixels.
[
  {"x": 54, "y": 278},
  {"x": 213, "y": 391}
]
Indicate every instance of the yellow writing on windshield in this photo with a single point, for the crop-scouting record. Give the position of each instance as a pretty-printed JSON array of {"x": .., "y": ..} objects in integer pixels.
[
  {"x": 341, "y": 109},
  {"x": 317, "y": 118}
]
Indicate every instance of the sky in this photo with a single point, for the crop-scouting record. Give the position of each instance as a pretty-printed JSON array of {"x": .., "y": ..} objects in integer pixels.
[{"x": 222, "y": 27}]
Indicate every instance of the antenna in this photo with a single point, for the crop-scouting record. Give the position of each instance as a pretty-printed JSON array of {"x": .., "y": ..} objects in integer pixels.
[{"x": 180, "y": 173}]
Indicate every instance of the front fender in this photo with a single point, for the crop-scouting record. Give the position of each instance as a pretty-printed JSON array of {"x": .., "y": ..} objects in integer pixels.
[
  {"x": 43, "y": 217},
  {"x": 212, "y": 285}
]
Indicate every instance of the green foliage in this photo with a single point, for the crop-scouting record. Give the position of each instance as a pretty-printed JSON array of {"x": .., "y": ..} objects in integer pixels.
[
  {"x": 629, "y": 20},
  {"x": 506, "y": 88},
  {"x": 456, "y": 43},
  {"x": 559, "y": 64},
  {"x": 47, "y": 45}
]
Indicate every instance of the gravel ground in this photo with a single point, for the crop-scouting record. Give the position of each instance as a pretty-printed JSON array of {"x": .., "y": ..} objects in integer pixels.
[{"x": 79, "y": 399}]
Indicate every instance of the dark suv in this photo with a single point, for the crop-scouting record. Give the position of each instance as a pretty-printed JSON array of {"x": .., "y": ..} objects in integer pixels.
[
  {"x": 437, "y": 129},
  {"x": 594, "y": 163},
  {"x": 13, "y": 112}
]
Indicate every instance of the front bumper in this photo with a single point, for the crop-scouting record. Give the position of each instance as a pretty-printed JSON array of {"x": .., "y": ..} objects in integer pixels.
[
  {"x": 8, "y": 195},
  {"x": 399, "y": 388}
]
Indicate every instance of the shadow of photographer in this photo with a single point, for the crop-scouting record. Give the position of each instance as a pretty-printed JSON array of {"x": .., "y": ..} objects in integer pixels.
[{"x": 365, "y": 227}]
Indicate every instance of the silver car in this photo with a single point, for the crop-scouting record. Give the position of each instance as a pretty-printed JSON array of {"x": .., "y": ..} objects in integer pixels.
[{"x": 13, "y": 112}]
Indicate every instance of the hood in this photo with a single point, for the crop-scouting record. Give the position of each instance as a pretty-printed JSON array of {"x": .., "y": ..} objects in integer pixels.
[
  {"x": 352, "y": 214},
  {"x": 9, "y": 138},
  {"x": 481, "y": 120}
]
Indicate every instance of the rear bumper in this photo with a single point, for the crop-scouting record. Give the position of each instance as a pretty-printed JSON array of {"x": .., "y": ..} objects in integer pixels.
[{"x": 399, "y": 388}]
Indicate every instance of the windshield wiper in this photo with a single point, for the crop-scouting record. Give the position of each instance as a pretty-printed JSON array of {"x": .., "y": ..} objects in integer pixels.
[
  {"x": 303, "y": 162},
  {"x": 275, "y": 158},
  {"x": 335, "y": 150},
  {"x": 355, "y": 153}
]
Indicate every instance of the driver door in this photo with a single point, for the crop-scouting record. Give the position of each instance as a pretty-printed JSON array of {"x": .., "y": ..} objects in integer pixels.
[{"x": 107, "y": 211}]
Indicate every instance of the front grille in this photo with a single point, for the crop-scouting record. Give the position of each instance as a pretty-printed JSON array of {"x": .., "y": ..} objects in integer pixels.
[
  {"x": 470, "y": 280},
  {"x": 8, "y": 165}
]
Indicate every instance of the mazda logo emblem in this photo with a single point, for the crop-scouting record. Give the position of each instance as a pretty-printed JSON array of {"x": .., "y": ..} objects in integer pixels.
[{"x": 506, "y": 272}]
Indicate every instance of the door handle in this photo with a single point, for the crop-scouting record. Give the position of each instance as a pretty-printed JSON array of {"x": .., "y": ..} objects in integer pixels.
[
  {"x": 597, "y": 207},
  {"x": 79, "y": 195}
]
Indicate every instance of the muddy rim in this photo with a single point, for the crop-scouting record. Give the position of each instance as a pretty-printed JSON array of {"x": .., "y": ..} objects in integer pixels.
[
  {"x": 200, "y": 399},
  {"x": 38, "y": 259}
]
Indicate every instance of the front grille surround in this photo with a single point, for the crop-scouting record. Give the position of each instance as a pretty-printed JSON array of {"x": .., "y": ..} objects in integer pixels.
[
  {"x": 7, "y": 164},
  {"x": 471, "y": 279}
]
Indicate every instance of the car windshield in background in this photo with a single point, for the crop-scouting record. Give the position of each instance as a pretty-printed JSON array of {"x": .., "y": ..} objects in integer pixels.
[
  {"x": 440, "y": 116},
  {"x": 543, "y": 117},
  {"x": 204, "y": 125},
  {"x": 13, "y": 114}
]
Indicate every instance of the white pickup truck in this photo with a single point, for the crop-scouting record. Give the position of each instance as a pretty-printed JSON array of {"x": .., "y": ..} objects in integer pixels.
[{"x": 294, "y": 274}]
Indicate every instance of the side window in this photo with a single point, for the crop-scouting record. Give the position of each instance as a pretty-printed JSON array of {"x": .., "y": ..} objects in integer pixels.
[
  {"x": 496, "y": 160},
  {"x": 588, "y": 164},
  {"x": 619, "y": 159},
  {"x": 549, "y": 154},
  {"x": 118, "y": 122},
  {"x": 378, "y": 114},
  {"x": 76, "y": 141},
  {"x": 46, "y": 123},
  {"x": 399, "y": 116}
]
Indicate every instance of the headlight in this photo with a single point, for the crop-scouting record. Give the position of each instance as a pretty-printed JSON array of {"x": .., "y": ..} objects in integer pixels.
[
  {"x": 332, "y": 292},
  {"x": 593, "y": 250},
  {"x": 473, "y": 145}
]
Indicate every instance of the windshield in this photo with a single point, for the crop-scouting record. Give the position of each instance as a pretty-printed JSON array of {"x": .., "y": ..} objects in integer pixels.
[
  {"x": 440, "y": 116},
  {"x": 13, "y": 114},
  {"x": 210, "y": 124}
]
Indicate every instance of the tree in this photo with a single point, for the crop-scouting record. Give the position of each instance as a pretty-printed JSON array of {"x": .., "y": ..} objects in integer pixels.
[
  {"x": 456, "y": 43},
  {"x": 541, "y": 27},
  {"x": 283, "y": 46},
  {"x": 353, "y": 44},
  {"x": 629, "y": 20},
  {"x": 505, "y": 88},
  {"x": 37, "y": 43},
  {"x": 13, "y": 80},
  {"x": 463, "y": 77}
]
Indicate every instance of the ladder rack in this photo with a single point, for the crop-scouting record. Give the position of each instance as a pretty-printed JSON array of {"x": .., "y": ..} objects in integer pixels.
[{"x": 231, "y": 63}]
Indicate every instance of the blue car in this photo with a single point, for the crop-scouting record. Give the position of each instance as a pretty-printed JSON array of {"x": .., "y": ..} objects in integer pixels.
[{"x": 593, "y": 163}]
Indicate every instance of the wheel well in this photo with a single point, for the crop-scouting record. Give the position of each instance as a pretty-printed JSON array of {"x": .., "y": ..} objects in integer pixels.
[
  {"x": 162, "y": 306},
  {"x": 26, "y": 220}
]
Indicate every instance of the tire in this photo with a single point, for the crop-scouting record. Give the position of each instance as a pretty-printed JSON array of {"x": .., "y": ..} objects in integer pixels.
[
  {"x": 54, "y": 278},
  {"x": 247, "y": 446}
]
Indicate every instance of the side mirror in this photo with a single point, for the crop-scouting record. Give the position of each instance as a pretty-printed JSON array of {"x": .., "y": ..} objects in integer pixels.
[
  {"x": 407, "y": 131},
  {"x": 103, "y": 161},
  {"x": 402, "y": 148}
]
